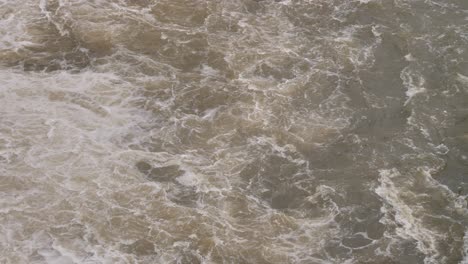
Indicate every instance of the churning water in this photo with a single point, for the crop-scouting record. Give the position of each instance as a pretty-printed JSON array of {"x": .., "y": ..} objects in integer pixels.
[{"x": 234, "y": 131}]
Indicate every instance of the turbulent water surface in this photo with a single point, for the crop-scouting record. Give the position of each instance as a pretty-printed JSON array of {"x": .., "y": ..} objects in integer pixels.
[{"x": 233, "y": 131}]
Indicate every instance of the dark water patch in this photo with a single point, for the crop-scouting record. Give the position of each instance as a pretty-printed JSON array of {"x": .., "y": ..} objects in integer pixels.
[
  {"x": 356, "y": 241},
  {"x": 52, "y": 50},
  {"x": 381, "y": 260},
  {"x": 277, "y": 181},
  {"x": 187, "y": 196},
  {"x": 141, "y": 247},
  {"x": 188, "y": 257},
  {"x": 337, "y": 155},
  {"x": 382, "y": 124},
  {"x": 160, "y": 174},
  {"x": 175, "y": 191},
  {"x": 183, "y": 12},
  {"x": 453, "y": 174},
  {"x": 281, "y": 68},
  {"x": 334, "y": 249},
  {"x": 199, "y": 100},
  {"x": 140, "y": 3},
  {"x": 409, "y": 253},
  {"x": 359, "y": 219},
  {"x": 383, "y": 79}
]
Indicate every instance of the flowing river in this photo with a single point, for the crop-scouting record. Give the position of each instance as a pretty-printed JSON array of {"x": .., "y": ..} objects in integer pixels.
[{"x": 233, "y": 131}]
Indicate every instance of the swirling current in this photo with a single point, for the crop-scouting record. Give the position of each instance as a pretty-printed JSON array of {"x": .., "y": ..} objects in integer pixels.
[{"x": 234, "y": 131}]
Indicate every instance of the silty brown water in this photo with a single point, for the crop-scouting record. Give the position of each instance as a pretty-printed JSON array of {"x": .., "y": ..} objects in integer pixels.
[{"x": 242, "y": 131}]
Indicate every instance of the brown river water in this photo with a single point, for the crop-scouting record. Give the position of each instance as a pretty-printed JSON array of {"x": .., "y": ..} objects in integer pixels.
[{"x": 234, "y": 131}]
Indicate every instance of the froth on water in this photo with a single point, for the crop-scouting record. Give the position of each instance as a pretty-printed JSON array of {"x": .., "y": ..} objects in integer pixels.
[{"x": 212, "y": 131}]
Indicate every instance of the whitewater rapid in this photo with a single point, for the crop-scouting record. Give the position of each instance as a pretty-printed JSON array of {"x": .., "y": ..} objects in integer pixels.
[{"x": 240, "y": 131}]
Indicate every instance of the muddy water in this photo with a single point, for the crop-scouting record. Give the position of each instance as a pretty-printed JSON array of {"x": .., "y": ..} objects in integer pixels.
[{"x": 240, "y": 131}]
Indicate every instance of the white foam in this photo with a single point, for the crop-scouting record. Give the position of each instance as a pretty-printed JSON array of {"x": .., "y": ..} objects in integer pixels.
[
  {"x": 414, "y": 83},
  {"x": 465, "y": 248},
  {"x": 409, "y": 57},
  {"x": 188, "y": 179},
  {"x": 463, "y": 79},
  {"x": 210, "y": 114},
  {"x": 408, "y": 209},
  {"x": 64, "y": 147},
  {"x": 411, "y": 225},
  {"x": 54, "y": 257}
]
